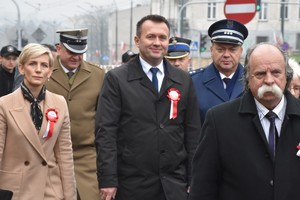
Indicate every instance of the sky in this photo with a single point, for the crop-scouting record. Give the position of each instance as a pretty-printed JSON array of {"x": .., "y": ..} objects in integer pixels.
[{"x": 55, "y": 10}]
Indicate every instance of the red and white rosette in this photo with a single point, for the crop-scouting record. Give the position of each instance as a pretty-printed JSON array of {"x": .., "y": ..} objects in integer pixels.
[
  {"x": 174, "y": 97},
  {"x": 51, "y": 116},
  {"x": 298, "y": 152}
]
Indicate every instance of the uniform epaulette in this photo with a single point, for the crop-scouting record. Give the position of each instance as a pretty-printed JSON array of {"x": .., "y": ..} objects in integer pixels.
[
  {"x": 94, "y": 64},
  {"x": 196, "y": 71}
]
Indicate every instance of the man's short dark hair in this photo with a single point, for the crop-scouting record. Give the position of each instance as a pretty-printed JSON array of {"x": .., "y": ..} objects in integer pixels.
[{"x": 153, "y": 18}]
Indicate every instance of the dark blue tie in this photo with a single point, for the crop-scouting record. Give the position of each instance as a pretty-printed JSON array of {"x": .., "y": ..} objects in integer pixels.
[
  {"x": 154, "y": 71},
  {"x": 226, "y": 80},
  {"x": 271, "y": 116}
]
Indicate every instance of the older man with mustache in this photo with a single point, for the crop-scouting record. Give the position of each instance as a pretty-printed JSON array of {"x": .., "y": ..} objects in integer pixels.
[{"x": 253, "y": 152}]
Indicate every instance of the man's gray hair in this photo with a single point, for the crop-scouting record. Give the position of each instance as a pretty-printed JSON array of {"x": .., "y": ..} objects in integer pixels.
[{"x": 246, "y": 75}]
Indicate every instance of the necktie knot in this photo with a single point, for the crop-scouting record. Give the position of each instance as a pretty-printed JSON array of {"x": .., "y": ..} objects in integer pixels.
[
  {"x": 226, "y": 80},
  {"x": 154, "y": 71},
  {"x": 70, "y": 74},
  {"x": 271, "y": 116}
]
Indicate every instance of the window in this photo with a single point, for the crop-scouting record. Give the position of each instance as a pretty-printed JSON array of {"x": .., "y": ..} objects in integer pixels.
[
  {"x": 263, "y": 14},
  {"x": 284, "y": 9},
  {"x": 211, "y": 12},
  {"x": 260, "y": 39}
]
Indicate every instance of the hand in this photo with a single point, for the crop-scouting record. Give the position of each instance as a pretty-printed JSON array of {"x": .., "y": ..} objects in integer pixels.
[{"x": 108, "y": 193}]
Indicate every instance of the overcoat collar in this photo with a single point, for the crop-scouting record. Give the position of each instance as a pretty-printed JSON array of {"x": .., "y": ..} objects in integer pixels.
[
  {"x": 60, "y": 77},
  {"x": 135, "y": 72},
  {"x": 215, "y": 85},
  {"x": 21, "y": 115}
]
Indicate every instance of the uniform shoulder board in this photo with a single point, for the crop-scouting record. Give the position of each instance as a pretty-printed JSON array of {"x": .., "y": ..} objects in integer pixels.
[
  {"x": 94, "y": 64},
  {"x": 196, "y": 71}
]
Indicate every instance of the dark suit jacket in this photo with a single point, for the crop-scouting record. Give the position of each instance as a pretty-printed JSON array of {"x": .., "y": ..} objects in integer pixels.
[
  {"x": 5, "y": 194},
  {"x": 210, "y": 90},
  {"x": 232, "y": 161},
  {"x": 140, "y": 150}
]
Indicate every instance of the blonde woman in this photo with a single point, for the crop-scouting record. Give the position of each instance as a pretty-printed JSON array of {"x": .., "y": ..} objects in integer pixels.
[{"x": 36, "y": 160}]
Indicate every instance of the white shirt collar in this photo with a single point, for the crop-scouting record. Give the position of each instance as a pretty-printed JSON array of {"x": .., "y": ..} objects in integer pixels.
[
  {"x": 65, "y": 69},
  {"x": 146, "y": 66},
  {"x": 279, "y": 110}
]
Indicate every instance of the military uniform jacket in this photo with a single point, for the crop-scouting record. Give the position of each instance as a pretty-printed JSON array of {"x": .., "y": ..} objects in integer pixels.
[
  {"x": 140, "y": 150},
  {"x": 210, "y": 90},
  {"x": 33, "y": 167},
  {"x": 81, "y": 98},
  {"x": 233, "y": 162}
]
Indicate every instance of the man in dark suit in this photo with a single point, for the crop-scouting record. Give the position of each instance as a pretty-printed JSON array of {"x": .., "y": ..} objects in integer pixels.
[
  {"x": 221, "y": 81},
  {"x": 147, "y": 125},
  {"x": 249, "y": 148}
]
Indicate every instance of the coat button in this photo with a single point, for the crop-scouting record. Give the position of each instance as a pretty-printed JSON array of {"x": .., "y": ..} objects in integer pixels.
[
  {"x": 44, "y": 163},
  {"x": 162, "y": 151},
  {"x": 272, "y": 183},
  {"x": 26, "y": 163},
  {"x": 161, "y": 126}
]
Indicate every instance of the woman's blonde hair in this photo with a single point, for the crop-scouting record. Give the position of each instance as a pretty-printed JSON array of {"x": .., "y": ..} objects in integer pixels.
[{"x": 34, "y": 50}]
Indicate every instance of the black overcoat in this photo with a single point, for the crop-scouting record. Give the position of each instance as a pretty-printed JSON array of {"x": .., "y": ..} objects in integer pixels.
[
  {"x": 140, "y": 150},
  {"x": 233, "y": 162}
]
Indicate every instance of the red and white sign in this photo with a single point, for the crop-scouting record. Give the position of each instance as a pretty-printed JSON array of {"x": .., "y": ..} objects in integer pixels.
[{"x": 240, "y": 10}]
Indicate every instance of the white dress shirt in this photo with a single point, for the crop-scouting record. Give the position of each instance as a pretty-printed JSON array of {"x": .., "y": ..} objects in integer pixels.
[
  {"x": 160, "y": 74},
  {"x": 279, "y": 110}
]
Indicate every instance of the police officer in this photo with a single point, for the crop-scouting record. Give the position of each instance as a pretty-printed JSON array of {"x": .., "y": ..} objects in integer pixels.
[
  {"x": 221, "y": 81},
  {"x": 10, "y": 78},
  {"x": 79, "y": 82},
  {"x": 179, "y": 52}
]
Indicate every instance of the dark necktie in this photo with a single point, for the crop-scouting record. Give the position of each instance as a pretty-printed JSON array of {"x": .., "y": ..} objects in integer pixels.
[
  {"x": 226, "y": 80},
  {"x": 70, "y": 74},
  {"x": 154, "y": 71},
  {"x": 271, "y": 116}
]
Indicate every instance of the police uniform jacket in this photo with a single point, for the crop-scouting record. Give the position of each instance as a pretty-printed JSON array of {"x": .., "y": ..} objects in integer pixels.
[
  {"x": 233, "y": 160},
  {"x": 140, "y": 149},
  {"x": 210, "y": 90},
  {"x": 81, "y": 97},
  {"x": 31, "y": 166}
]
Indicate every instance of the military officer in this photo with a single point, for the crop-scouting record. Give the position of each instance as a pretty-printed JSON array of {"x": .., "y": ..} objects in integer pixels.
[{"x": 79, "y": 82}]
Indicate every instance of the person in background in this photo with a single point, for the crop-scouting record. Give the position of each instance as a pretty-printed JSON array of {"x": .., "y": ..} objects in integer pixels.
[
  {"x": 79, "y": 82},
  {"x": 221, "y": 81},
  {"x": 179, "y": 53},
  {"x": 147, "y": 124},
  {"x": 10, "y": 78},
  {"x": 249, "y": 147},
  {"x": 36, "y": 159},
  {"x": 294, "y": 87},
  {"x": 127, "y": 56},
  {"x": 52, "y": 49}
]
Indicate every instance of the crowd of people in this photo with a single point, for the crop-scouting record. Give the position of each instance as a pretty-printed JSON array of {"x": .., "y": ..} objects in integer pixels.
[{"x": 150, "y": 129}]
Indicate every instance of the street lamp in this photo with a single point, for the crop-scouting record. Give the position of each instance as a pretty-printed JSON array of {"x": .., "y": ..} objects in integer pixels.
[
  {"x": 19, "y": 25},
  {"x": 116, "y": 45}
]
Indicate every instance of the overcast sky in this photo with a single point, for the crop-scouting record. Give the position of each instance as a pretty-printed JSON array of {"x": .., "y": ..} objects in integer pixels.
[{"x": 54, "y": 10}]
